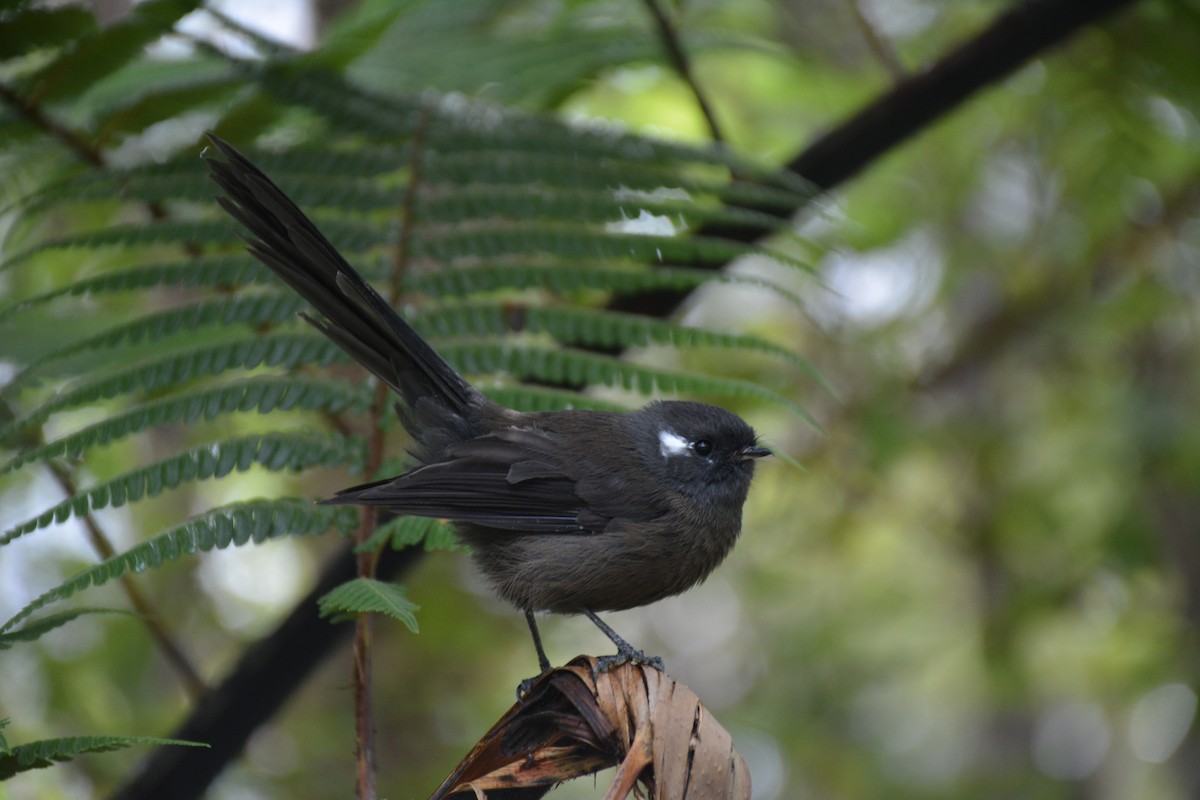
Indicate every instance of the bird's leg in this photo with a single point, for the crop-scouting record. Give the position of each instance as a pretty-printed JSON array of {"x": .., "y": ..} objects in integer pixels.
[
  {"x": 625, "y": 652},
  {"x": 543, "y": 662}
]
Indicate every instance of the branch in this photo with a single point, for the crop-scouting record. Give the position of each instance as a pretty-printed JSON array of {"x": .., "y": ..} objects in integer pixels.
[
  {"x": 1017, "y": 36},
  {"x": 102, "y": 544}
]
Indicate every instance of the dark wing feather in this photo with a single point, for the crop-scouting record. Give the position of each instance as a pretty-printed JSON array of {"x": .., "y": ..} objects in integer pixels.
[{"x": 498, "y": 481}]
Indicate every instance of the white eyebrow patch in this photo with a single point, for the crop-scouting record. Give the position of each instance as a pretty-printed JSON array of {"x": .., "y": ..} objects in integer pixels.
[{"x": 671, "y": 444}]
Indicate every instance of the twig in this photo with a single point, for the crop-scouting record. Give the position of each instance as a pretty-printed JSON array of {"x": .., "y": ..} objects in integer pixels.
[
  {"x": 192, "y": 682},
  {"x": 878, "y": 46},
  {"x": 366, "y": 560},
  {"x": 83, "y": 149},
  {"x": 681, "y": 62},
  {"x": 1015, "y": 37}
]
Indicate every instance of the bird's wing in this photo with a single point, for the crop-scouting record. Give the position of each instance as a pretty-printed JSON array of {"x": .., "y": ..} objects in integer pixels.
[{"x": 508, "y": 481}]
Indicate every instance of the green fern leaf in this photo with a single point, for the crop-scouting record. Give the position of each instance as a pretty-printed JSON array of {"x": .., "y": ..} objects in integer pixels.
[
  {"x": 454, "y": 125},
  {"x": 578, "y": 368},
  {"x": 32, "y": 29},
  {"x": 573, "y": 277},
  {"x": 255, "y": 310},
  {"x": 223, "y": 271},
  {"x": 571, "y": 241},
  {"x": 493, "y": 166},
  {"x": 144, "y": 109},
  {"x": 369, "y": 596},
  {"x": 536, "y": 398},
  {"x": 35, "y": 630},
  {"x": 606, "y": 329},
  {"x": 235, "y": 525},
  {"x": 48, "y": 752},
  {"x": 484, "y": 164},
  {"x": 402, "y": 532},
  {"x": 275, "y": 451},
  {"x": 111, "y": 47},
  {"x": 274, "y": 350},
  {"x": 308, "y": 164},
  {"x": 176, "y": 232},
  {"x": 173, "y": 181},
  {"x": 450, "y": 205},
  {"x": 261, "y": 395}
]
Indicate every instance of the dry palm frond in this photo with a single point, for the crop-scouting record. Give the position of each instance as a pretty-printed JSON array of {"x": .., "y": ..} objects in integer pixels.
[{"x": 573, "y": 723}]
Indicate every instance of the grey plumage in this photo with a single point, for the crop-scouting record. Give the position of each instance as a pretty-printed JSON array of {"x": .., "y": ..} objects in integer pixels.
[{"x": 568, "y": 511}]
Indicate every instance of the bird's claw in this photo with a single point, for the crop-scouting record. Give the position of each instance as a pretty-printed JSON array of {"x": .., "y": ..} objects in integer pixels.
[
  {"x": 605, "y": 663},
  {"x": 524, "y": 686}
]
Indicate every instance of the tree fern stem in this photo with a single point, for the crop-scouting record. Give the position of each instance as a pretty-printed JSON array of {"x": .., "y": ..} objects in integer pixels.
[
  {"x": 193, "y": 684},
  {"x": 400, "y": 252},
  {"x": 363, "y": 719},
  {"x": 367, "y": 560},
  {"x": 364, "y": 724}
]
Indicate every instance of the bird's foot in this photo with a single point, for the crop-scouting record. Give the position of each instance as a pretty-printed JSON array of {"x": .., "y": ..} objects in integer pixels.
[
  {"x": 524, "y": 686},
  {"x": 626, "y": 655}
]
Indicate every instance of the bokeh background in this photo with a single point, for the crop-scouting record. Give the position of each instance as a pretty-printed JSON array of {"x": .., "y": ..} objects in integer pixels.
[{"x": 983, "y": 581}]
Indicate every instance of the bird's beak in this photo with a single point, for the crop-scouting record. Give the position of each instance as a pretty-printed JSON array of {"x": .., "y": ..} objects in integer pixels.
[{"x": 754, "y": 451}]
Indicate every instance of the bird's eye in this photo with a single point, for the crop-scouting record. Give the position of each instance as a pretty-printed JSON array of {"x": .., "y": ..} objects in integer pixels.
[{"x": 702, "y": 447}]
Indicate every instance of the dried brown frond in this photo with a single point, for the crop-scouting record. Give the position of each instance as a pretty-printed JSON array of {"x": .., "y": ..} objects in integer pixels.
[{"x": 664, "y": 743}]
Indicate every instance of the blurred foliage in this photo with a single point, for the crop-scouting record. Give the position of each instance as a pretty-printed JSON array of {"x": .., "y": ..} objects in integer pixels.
[{"x": 985, "y": 581}]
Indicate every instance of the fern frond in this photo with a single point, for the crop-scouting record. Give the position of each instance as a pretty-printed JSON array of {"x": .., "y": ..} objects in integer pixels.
[
  {"x": 574, "y": 242},
  {"x": 472, "y": 203},
  {"x": 254, "y": 310},
  {"x": 140, "y": 110},
  {"x": 174, "y": 181},
  {"x": 576, "y": 276},
  {"x": 235, "y": 525},
  {"x": 77, "y": 68},
  {"x": 536, "y": 398},
  {"x": 262, "y": 395},
  {"x": 48, "y": 752},
  {"x": 606, "y": 329},
  {"x": 369, "y": 596},
  {"x": 402, "y": 532},
  {"x": 301, "y": 166},
  {"x": 175, "y": 232},
  {"x": 35, "y": 630},
  {"x": 456, "y": 124},
  {"x": 274, "y": 451},
  {"x": 578, "y": 368},
  {"x": 214, "y": 271},
  {"x": 29, "y": 29},
  {"x": 273, "y": 350},
  {"x": 492, "y": 166}
]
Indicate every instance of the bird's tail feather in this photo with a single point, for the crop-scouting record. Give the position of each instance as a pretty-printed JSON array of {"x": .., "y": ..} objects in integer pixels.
[{"x": 356, "y": 318}]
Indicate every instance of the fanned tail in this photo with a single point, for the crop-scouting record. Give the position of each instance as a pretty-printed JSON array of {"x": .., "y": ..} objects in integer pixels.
[{"x": 356, "y": 317}]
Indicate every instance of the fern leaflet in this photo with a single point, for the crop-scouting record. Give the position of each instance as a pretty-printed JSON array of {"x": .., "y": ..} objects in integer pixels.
[
  {"x": 254, "y": 521},
  {"x": 274, "y": 451},
  {"x": 262, "y": 395}
]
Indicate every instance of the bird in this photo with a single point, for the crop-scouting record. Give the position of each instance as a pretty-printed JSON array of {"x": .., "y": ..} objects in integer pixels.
[{"x": 571, "y": 512}]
